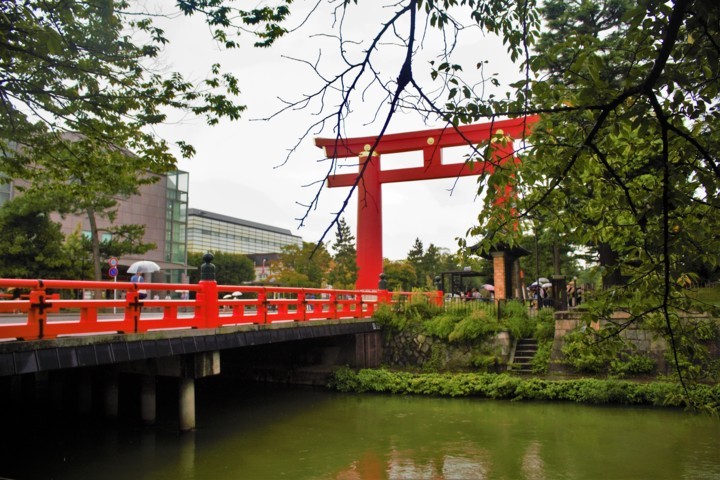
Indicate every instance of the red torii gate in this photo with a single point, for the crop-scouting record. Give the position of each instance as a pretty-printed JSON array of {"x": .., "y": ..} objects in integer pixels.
[{"x": 431, "y": 143}]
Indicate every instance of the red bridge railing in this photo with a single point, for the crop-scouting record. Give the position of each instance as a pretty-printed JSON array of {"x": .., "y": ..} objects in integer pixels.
[{"x": 49, "y": 309}]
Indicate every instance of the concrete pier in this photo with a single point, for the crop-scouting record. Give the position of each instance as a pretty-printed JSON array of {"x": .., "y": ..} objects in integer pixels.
[
  {"x": 186, "y": 397},
  {"x": 148, "y": 399}
]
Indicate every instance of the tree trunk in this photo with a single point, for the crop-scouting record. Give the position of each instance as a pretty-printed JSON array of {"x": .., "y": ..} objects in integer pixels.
[
  {"x": 557, "y": 269},
  {"x": 609, "y": 259},
  {"x": 95, "y": 241}
]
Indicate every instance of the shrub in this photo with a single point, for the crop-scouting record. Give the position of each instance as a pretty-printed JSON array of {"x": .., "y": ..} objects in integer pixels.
[
  {"x": 503, "y": 386},
  {"x": 515, "y": 318},
  {"x": 472, "y": 327},
  {"x": 629, "y": 364},
  {"x": 541, "y": 361},
  {"x": 545, "y": 325},
  {"x": 441, "y": 326},
  {"x": 588, "y": 352}
]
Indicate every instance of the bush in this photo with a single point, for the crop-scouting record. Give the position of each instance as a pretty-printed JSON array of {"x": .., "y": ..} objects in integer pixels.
[
  {"x": 504, "y": 386},
  {"x": 441, "y": 326},
  {"x": 516, "y": 319},
  {"x": 473, "y": 327},
  {"x": 545, "y": 325},
  {"x": 629, "y": 364},
  {"x": 541, "y": 361},
  {"x": 588, "y": 352}
]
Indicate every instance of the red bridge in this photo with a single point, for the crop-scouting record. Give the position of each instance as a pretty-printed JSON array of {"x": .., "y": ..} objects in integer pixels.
[{"x": 48, "y": 331}]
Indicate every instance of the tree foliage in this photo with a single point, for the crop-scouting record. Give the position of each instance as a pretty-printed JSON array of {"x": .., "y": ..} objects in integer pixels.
[
  {"x": 401, "y": 275},
  {"x": 230, "y": 268},
  {"x": 302, "y": 267},
  {"x": 429, "y": 263},
  {"x": 88, "y": 181},
  {"x": 80, "y": 95},
  {"x": 344, "y": 270},
  {"x": 624, "y": 159},
  {"x": 32, "y": 244}
]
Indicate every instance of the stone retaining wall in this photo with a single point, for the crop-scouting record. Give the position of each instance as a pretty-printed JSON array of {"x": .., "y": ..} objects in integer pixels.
[
  {"x": 409, "y": 349},
  {"x": 645, "y": 341}
]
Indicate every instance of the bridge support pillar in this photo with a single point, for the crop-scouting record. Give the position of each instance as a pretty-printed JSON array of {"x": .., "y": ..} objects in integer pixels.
[
  {"x": 368, "y": 350},
  {"x": 148, "y": 400},
  {"x": 186, "y": 368},
  {"x": 187, "y": 404}
]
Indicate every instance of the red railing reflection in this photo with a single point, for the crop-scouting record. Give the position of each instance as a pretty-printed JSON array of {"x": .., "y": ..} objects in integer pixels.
[{"x": 50, "y": 308}]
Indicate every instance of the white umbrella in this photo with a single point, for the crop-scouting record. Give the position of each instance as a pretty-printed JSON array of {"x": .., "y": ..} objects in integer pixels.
[
  {"x": 547, "y": 285},
  {"x": 237, "y": 294},
  {"x": 488, "y": 287},
  {"x": 227, "y": 296},
  {"x": 143, "y": 266}
]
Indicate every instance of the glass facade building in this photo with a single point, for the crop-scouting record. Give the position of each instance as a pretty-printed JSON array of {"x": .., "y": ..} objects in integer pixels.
[
  {"x": 209, "y": 231},
  {"x": 176, "y": 217}
]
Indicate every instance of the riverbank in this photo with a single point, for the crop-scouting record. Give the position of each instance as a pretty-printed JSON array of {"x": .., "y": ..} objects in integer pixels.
[{"x": 698, "y": 397}]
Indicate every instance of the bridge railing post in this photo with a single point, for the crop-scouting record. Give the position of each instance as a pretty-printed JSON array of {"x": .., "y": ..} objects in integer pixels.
[
  {"x": 208, "y": 303},
  {"x": 262, "y": 306},
  {"x": 384, "y": 296},
  {"x": 133, "y": 307},
  {"x": 439, "y": 298},
  {"x": 37, "y": 312},
  {"x": 208, "y": 295},
  {"x": 302, "y": 306}
]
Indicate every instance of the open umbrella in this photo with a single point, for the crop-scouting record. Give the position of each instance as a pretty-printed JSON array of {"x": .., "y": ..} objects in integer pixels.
[
  {"x": 488, "y": 287},
  {"x": 143, "y": 266},
  {"x": 237, "y": 294},
  {"x": 227, "y": 296},
  {"x": 547, "y": 285}
]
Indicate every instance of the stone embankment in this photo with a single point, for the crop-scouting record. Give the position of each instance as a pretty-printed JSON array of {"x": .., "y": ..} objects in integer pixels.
[{"x": 410, "y": 349}]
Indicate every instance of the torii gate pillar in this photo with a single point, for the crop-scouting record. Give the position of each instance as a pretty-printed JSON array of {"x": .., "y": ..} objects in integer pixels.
[
  {"x": 370, "y": 177},
  {"x": 369, "y": 224}
]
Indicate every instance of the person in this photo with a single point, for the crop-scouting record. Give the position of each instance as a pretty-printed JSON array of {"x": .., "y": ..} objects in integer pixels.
[
  {"x": 138, "y": 278},
  {"x": 540, "y": 297},
  {"x": 571, "y": 294}
]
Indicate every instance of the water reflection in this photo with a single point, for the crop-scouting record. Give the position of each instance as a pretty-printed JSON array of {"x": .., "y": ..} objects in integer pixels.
[
  {"x": 268, "y": 433},
  {"x": 533, "y": 467},
  {"x": 403, "y": 466}
]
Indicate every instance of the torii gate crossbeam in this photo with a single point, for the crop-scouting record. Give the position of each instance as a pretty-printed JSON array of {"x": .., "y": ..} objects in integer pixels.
[{"x": 430, "y": 142}]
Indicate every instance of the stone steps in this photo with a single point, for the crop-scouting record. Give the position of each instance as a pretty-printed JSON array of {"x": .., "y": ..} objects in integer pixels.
[{"x": 525, "y": 351}]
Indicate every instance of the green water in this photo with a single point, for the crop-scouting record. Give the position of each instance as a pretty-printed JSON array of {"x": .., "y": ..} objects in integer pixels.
[{"x": 275, "y": 433}]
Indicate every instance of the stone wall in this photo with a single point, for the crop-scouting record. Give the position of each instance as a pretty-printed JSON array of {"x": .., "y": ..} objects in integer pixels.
[
  {"x": 409, "y": 349},
  {"x": 644, "y": 341}
]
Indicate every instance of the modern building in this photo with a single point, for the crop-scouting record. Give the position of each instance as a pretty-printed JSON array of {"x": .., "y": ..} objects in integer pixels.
[
  {"x": 175, "y": 229},
  {"x": 162, "y": 208},
  {"x": 208, "y": 231}
]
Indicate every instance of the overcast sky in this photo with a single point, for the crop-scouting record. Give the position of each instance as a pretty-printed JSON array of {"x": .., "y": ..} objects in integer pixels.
[{"x": 240, "y": 168}]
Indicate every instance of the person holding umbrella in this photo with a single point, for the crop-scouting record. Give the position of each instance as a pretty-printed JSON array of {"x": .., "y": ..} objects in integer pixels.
[
  {"x": 138, "y": 269},
  {"x": 138, "y": 278}
]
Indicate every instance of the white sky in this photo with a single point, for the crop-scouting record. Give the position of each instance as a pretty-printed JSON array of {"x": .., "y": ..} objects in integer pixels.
[{"x": 240, "y": 170}]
